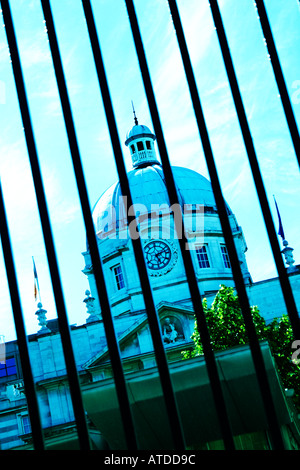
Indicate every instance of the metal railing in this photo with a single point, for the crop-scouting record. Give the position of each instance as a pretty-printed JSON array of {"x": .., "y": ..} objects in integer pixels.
[{"x": 116, "y": 362}]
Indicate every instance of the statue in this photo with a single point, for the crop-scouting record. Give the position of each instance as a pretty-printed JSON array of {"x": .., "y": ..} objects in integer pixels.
[{"x": 169, "y": 331}]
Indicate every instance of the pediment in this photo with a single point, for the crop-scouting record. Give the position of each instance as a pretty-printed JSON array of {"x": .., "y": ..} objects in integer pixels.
[
  {"x": 123, "y": 338},
  {"x": 164, "y": 307},
  {"x": 172, "y": 327}
]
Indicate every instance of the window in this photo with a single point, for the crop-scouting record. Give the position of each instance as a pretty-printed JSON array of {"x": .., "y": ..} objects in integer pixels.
[
  {"x": 202, "y": 257},
  {"x": 132, "y": 149},
  {"x": 9, "y": 368},
  {"x": 26, "y": 424},
  {"x": 119, "y": 277},
  {"x": 225, "y": 256},
  {"x": 148, "y": 144},
  {"x": 140, "y": 145}
]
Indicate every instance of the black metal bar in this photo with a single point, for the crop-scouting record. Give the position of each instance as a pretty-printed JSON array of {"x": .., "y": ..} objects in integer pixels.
[
  {"x": 284, "y": 96},
  {"x": 190, "y": 273},
  {"x": 224, "y": 219},
  {"x": 161, "y": 360},
  {"x": 122, "y": 393},
  {"x": 259, "y": 184},
  {"x": 75, "y": 391},
  {"x": 30, "y": 391}
]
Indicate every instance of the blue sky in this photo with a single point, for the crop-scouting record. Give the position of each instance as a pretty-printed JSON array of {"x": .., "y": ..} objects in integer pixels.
[{"x": 260, "y": 95}]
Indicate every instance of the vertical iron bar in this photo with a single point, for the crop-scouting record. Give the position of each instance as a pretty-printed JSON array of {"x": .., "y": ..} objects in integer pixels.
[
  {"x": 227, "y": 232},
  {"x": 161, "y": 360},
  {"x": 187, "y": 260},
  {"x": 284, "y": 96},
  {"x": 121, "y": 389},
  {"x": 75, "y": 391},
  {"x": 30, "y": 391},
  {"x": 259, "y": 184}
]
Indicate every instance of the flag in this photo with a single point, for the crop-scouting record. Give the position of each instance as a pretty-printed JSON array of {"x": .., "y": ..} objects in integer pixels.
[
  {"x": 280, "y": 231},
  {"x": 36, "y": 282},
  {"x": 35, "y": 292}
]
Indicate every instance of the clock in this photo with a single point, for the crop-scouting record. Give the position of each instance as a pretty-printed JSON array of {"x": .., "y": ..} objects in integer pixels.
[{"x": 160, "y": 257}]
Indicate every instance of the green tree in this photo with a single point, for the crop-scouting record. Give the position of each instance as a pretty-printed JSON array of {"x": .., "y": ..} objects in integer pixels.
[
  {"x": 279, "y": 334},
  {"x": 227, "y": 329}
]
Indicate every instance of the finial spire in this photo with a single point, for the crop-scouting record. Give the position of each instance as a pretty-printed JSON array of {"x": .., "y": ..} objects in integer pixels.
[
  {"x": 41, "y": 315},
  {"x": 135, "y": 118},
  {"x": 90, "y": 306}
]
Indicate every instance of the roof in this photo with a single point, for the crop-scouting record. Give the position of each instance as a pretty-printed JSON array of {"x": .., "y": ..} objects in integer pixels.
[
  {"x": 138, "y": 131},
  {"x": 149, "y": 191}
]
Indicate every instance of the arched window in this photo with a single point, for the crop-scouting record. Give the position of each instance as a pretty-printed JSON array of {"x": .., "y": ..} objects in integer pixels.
[{"x": 140, "y": 145}]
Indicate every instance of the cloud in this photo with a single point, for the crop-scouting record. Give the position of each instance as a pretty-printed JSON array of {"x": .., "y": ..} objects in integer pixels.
[
  {"x": 35, "y": 53},
  {"x": 17, "y": 183},
  {"x": 19, "y": 192}
]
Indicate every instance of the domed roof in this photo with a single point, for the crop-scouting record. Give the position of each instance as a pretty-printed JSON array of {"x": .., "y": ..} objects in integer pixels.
[
  {"x": 138, "y": 130},
  {"x": 148, "y": 188}
]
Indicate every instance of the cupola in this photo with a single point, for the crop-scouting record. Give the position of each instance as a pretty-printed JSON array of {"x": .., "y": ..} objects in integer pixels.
[{"x": 140, "y": 141}]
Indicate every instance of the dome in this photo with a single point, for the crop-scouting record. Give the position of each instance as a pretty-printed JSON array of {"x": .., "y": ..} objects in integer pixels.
[
  {"x": 159, "y": 233},
  {"x": 148, "y": 188},
  {"x": 138, "y": 131}
]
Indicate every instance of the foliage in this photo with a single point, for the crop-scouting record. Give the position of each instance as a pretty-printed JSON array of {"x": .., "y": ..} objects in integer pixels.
[
  {"x": 227, "y": 329},
  {"x": 280, "y": 337}
]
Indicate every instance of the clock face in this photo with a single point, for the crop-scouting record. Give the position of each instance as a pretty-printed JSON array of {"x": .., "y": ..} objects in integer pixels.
[{"x": 158, "y": 255}]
